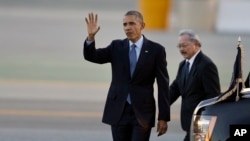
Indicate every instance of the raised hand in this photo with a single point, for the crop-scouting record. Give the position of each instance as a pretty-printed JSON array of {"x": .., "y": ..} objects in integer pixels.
[{"x": 92, "y": 26}]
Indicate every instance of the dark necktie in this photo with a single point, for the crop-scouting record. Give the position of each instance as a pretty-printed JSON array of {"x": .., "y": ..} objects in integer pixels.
[
  {"x": 133, "y": 61},
  {"x": 186, "y": 71}
]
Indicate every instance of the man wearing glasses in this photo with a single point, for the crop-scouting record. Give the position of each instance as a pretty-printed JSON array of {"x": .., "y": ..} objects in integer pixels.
[{"x": 197, "y": 78}]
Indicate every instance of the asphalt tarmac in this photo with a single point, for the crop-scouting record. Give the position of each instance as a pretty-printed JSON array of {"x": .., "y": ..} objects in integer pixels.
[{"x": 34, "y": 111}]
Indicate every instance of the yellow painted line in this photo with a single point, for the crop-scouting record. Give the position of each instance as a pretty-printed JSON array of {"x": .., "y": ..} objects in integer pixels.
[
  {"x": 53, "y": 83},
  {"x": 175, "y": 117},
  {"x": 13, "y": 112},
  {"x": 44, "y": 113}
]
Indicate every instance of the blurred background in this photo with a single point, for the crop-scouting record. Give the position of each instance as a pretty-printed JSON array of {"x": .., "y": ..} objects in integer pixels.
[{"x": 49, "y": 92}]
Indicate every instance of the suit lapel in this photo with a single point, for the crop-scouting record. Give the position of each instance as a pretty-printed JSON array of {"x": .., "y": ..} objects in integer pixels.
[
  {"x": 145, "y": 51},
  {"x": 193, "y": 70},
  {"x": 191, "y": 76},
  {"x": 182, "y": 76}
]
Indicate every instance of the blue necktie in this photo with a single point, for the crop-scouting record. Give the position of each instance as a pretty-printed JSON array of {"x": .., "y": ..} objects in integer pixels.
[{"x": 133, "y": 61}]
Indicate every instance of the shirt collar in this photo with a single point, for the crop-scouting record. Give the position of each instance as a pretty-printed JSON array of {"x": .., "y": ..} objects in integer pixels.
[
  {"x": 138, "y": 43},
  {"x": 191, "y": 60}
]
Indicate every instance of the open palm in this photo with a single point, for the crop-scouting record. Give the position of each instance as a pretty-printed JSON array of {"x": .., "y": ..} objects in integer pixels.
[{"x": 92, "y": 26}]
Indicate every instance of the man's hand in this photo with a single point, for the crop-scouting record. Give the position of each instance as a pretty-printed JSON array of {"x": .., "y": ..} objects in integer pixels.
[
  {"x": 92, "y": 26},
  {"x": 162, "y": 127}
]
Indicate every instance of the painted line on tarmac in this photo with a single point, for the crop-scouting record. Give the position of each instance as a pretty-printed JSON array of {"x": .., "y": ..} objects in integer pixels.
[{"x": 44, "y": 113}]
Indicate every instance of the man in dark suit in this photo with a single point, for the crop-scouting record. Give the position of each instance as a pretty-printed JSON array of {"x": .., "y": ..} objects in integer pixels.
[
  {"x": 135, "y": 62},
  {"x": 197, "y": 78}
]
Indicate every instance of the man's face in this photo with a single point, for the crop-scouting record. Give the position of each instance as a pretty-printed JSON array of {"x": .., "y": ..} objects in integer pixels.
[
  {"x": 187, "y": 47},
  {"x": 132, "y": 27}
]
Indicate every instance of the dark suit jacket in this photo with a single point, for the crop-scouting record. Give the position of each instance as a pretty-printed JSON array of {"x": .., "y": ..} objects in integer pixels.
[
  {"x": 151, "y": 64},
  {"x": 203, "y": 83}
]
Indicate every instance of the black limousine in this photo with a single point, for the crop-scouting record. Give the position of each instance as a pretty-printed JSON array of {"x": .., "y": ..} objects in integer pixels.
[{"x": 226, "y": 117}]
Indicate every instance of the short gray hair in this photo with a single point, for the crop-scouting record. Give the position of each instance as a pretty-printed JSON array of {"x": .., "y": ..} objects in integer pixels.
[
  {"x": 192, "y": 35},
  {"x": 137, "y": 14}
]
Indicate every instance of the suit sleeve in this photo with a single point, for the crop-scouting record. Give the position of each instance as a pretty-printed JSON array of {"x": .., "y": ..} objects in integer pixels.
[
  {"x": 100, "y": 56},
  {"x": 174, "y": 92},
  {"x": 163, "y": 86}
]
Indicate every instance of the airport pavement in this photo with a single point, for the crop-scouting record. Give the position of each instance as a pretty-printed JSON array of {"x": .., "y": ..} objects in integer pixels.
[
  {"x": 49, "y": 92},
  {"x": 46, "y": 111}
]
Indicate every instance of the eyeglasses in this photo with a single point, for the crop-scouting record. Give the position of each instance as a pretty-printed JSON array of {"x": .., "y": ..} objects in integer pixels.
[
  {"x": 187, "y": 43},
  {"x": 184, "y": 45}
]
